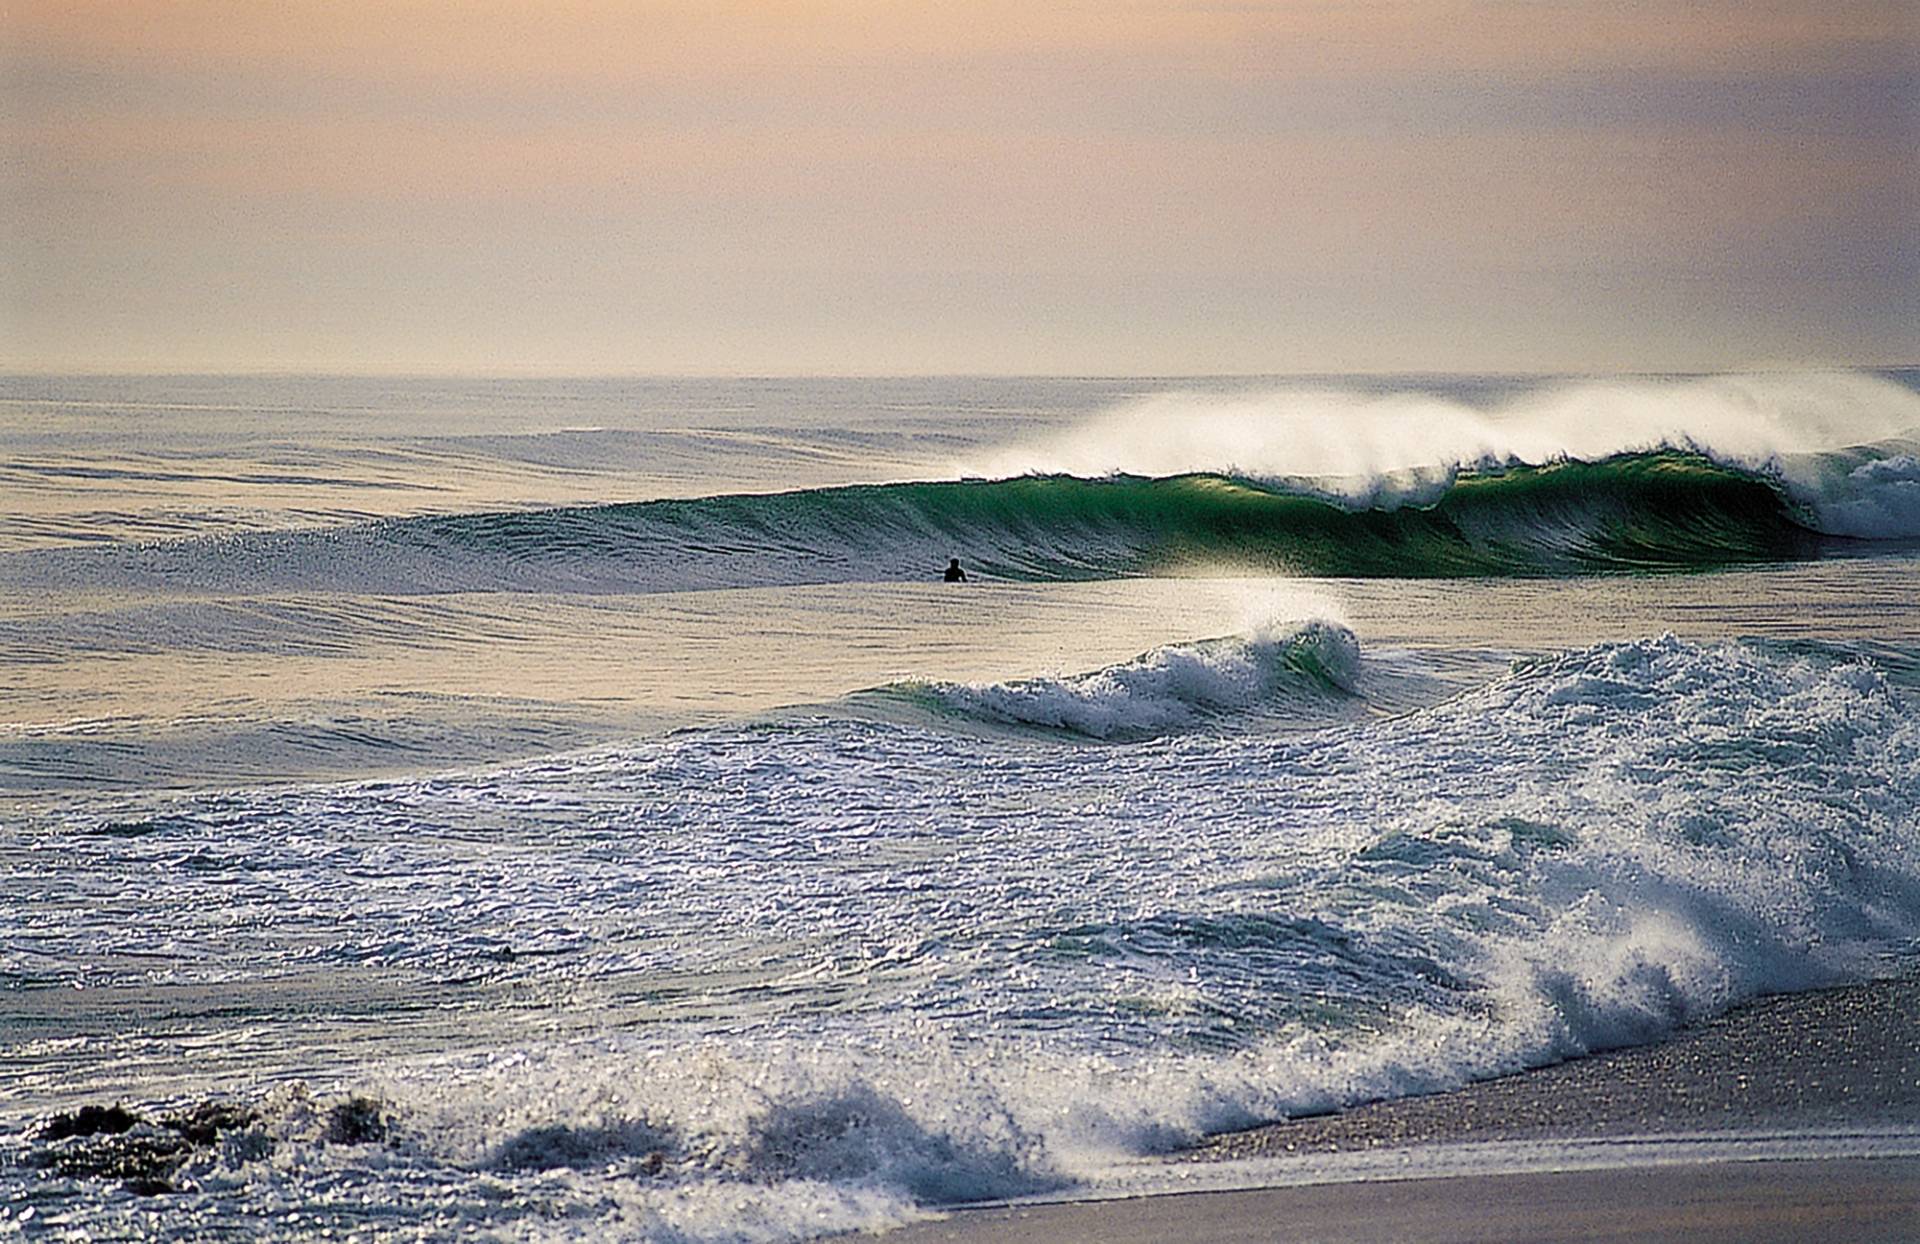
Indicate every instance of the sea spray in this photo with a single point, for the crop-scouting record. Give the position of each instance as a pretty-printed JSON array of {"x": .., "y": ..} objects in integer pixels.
[{"x": 1397, "y": 444}]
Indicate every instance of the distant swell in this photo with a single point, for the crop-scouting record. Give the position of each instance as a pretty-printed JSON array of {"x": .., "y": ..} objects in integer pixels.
[{"x": 1667, "y": 509}]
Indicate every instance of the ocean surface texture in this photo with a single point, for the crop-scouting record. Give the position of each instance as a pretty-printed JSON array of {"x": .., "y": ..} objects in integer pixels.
[{"x": 559, "y": 809}]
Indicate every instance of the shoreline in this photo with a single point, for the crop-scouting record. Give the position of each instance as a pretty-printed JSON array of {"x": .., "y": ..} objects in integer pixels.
[
  {"x": 1823, "y": 1059},
  {"x": 1759, "y": 1124}
]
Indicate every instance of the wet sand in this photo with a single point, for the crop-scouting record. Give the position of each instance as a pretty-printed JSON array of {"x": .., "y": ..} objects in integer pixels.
[
  {"x": 1831, "y": 1062},
  {"x": 1860, "y": 1199}
]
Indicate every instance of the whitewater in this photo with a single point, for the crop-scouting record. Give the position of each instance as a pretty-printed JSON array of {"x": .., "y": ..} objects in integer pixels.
[{"x": 575, "y": 809}]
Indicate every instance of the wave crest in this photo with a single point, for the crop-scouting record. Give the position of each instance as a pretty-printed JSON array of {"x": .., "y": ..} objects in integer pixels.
[
  {"x": 1379, "y": 442},
  {"x": 1171, "y": 688}
]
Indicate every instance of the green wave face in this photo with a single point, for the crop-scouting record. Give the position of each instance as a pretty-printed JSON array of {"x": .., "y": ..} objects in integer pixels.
[
  {"x": 1636, "y": 512},
  {"x": 1660, "y": 510},
  {"x": 1651, "y": 511}
]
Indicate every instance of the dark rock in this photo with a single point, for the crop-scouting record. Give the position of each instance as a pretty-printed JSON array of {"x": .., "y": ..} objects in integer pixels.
[
  {"x": 111, "y": 1142},
  {"x": 88, "y": 1121},
  {"x": 203, "y": 1124},
  {"x": 146, "y": 1159},
  {"x": 356, "y": 1121}
]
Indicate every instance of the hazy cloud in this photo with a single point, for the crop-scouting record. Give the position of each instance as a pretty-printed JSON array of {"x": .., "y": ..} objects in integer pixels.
[{"x": 865, "y": 186}]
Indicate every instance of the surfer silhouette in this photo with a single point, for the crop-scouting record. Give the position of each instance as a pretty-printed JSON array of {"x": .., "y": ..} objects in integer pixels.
[{"x": 954, "y": 573}]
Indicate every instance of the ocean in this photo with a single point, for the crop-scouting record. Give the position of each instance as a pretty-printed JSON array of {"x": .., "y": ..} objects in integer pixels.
[{"x": 577, "y": 808}]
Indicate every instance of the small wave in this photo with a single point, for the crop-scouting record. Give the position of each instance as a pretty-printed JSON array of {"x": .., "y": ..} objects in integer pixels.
[{"x": 1171, "y": 688}]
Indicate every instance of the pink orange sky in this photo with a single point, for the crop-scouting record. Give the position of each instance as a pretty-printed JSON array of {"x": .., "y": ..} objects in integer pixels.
[{"x": 1124, "y": 186}]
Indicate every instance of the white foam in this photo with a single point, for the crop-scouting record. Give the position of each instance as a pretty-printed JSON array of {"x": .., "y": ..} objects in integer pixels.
[
  {"x": 1877, "y": 500},
  {"x": 1363, "y": 436},
  {"x": 915, "y": 969},
  {"x": 1691, "y": 826}
]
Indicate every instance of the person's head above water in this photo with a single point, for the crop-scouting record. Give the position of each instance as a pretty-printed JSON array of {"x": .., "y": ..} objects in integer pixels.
[{"x": 953, "y": 561}]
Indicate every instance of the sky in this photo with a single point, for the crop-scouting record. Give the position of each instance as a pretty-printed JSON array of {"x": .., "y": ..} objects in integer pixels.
[{"x": 1112, "y": 187}]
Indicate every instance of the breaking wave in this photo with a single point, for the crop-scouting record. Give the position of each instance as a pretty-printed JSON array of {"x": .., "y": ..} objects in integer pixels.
[
  {"x": 1310, "y": 669},
  {"x": 1668, "y": 509}
]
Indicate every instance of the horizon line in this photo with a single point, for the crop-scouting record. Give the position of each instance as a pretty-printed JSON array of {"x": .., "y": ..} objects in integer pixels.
[{"x": 304, "y": 373}]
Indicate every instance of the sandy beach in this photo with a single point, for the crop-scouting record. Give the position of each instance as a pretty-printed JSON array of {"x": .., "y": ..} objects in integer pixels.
[{"x": 1612, "y": 1144}]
